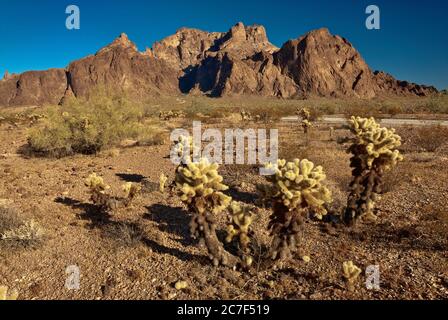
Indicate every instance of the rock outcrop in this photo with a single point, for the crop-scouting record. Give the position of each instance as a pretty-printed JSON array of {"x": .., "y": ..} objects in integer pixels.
[
  {"x": 121, "y": 65},
  {"x": 241, "y": 61}
]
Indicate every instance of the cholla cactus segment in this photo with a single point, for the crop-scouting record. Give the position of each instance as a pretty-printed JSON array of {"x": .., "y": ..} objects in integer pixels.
[
  {"x": 377, "y": 144},
  {"x": 245, "y": 116},
  {"x": 162, "y": 182},
  {"x": 130, "y": 190},
  {"x": 303, "y": 113},
  {"x": 200, "y": 185},
  {"x": 350, "y": 271},
  {"x": 299, "y": 185},
  {"x": 185, "y": 148},
  {"x": 96, "y": 183},
  {"x": 241, "y": 220},
  {"x": 5, "y": 295}
]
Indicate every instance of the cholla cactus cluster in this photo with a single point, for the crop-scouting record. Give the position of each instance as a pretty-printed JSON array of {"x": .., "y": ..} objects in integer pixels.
[
  {"x": 374, "y": 151},
  {"x": 6, "y": 294},
  {"x": 297, "y": 190},
  {"x": 239, "y": 227},
  {"x": 351, "y": 273},
  {"x": 200, "y": 187},
  {"x": 99, "y": 194},
  {"x": 305, "y": 119}
]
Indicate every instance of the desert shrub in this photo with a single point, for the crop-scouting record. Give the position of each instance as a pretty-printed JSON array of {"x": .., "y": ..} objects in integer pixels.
[
  {"x": 15, "y": 232},
  {"x": 103, "y": 200},
  {"x": 86, "y": 126},
  {"x": 429, "y": 138},
  {"x": 374, "y": 151}
]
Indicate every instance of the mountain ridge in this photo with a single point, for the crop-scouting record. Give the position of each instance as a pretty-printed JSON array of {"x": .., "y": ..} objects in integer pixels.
[{"x": 241, "y": 61}]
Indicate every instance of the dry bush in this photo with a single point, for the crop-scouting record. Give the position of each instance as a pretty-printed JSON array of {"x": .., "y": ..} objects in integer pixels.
[
  {"x": 16, "y": 233},
  {"x": 429, "y": 138},
  {"x": 86, "y": 126}
]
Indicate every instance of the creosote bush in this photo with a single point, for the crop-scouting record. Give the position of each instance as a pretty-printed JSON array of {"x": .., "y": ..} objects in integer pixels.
[
  {"x": 297, "y": 190},
  {"x": 106, "y": 203},
  {"x": 374, "y": 151},
  {"x": 86, "y": 126}
]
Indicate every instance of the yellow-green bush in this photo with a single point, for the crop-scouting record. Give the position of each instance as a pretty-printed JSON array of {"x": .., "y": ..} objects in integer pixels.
[{"x": 86, "y": 126}]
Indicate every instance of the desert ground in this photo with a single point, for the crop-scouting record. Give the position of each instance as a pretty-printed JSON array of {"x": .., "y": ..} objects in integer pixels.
[{"x": 142, "y": 251}]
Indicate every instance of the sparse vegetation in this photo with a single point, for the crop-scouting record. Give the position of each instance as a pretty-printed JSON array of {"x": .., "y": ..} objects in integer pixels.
[
  {"x": 106, "y": 203},
  {"x": 297, "y": 191},
  {"x": 15, "y": 232},
  {"x": 88, "y": 126}
]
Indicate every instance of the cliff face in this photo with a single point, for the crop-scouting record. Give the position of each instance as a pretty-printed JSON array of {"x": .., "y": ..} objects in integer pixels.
[{"x": 238, "y": 62}]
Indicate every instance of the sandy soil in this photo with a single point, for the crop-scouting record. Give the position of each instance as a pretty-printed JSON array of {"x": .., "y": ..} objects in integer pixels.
[{"x": 142, "y": 251}]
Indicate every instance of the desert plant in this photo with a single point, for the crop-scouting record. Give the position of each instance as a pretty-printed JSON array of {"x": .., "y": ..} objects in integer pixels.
[
  {"x": 297, "y": 190},
  {"x": 162, "y": 182},
  {"x": 5, "y": 295},
  {"x": 100, "y": 196},
  {"x": 239, "y": 227},
  {"x": 200, "y": 187},
  {"x": 374, "y": 151},
  {"x": 350, "y": 272},
  {"x": 28, "y": 234},
  {"x": 86, "y": 126}
]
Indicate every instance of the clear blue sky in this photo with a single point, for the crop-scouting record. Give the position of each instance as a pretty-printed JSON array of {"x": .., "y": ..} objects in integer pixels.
[{"x": 411, "y": 45}]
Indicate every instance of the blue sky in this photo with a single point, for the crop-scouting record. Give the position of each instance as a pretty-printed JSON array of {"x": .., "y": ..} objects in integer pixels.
[{"x": 411, "y": 45}]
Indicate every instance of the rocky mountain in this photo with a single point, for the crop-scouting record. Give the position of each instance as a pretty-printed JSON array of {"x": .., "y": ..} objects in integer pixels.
[{"x": 241, "y": 61}]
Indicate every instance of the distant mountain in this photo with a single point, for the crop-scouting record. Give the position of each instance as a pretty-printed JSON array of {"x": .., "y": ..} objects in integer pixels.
[{"x": 241, "y": 61}]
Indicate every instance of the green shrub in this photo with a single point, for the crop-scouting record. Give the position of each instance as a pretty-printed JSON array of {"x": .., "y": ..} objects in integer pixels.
[{"x": 86, "y": 126}]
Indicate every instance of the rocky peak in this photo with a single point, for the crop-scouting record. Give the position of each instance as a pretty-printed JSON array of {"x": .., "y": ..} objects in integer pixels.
[{"x": 121, "y": 42}]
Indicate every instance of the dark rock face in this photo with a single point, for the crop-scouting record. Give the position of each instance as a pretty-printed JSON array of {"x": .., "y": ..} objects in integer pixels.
[
  {"x": 121, "y": 65},
  {"x": 241, "y": 61},
  {"x": 33, "y": 88}
]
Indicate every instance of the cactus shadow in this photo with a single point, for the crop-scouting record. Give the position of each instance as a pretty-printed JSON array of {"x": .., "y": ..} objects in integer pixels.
[
  {"x": 173, "y": 220},
  {"x": 131, "y": 177},
  {"x": 89, "y": 212},
  {"x": 243, "y": 196}
]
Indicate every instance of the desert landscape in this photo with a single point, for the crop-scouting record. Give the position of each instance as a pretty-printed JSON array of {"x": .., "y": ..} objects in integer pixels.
[{"x": 87, "y": 180}]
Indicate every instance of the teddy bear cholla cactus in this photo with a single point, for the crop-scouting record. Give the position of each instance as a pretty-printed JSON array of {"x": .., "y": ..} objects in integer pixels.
[
  {"x": 374, "y": 151},
  {"x": 200, "y": 187},
  {"x": 305, "y": 115},
  {"x": 297, "y": 190},
  {"x": 239, "y": 227},
  {"x": 100, "y": 194}
]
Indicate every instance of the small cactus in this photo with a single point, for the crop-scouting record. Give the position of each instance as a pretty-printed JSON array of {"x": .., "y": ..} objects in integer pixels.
[
  {"x": 297, "y": 190},
  {"x": 162, "y": 182},
  {"x": 99, "y": 194},
  {"x": 305, "y": 119},
  {"x": 374, "y": 151},
  {"x": 350, "y": 272}
]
